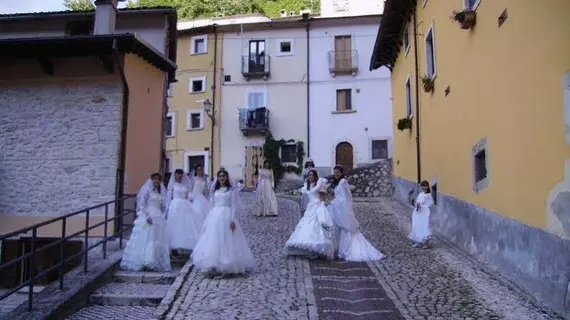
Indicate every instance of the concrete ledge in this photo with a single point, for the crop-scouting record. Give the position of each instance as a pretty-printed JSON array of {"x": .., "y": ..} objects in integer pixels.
[
  {"x": 53, "y": 303},
  {"x": 174, "y": 291}
]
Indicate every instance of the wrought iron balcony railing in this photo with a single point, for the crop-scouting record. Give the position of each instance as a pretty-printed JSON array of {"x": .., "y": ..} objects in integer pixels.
[
  {"x": 254, "y": 121},
  {"x": 343, "y": 62},
  {"x": 255, "y": 66}
]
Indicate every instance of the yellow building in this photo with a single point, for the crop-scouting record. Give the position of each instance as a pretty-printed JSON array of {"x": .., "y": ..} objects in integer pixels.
[
  {"x": 192, "y": 136},
  {"x": 489, "y": 128}
]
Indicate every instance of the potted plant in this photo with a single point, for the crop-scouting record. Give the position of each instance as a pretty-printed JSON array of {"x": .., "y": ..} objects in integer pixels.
[
  {"x": 428, "y": 83},
  {"x": 466, "y": 18},
  {"x": 404, "y": 123}
]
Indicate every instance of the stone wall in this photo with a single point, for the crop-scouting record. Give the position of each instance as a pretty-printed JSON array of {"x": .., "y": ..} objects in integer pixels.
[
  {"x": 58, "y": 147},
  {"x": 374, "y": 180}
]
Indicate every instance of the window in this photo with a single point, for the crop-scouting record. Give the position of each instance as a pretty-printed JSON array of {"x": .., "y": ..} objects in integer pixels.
[
  {"x": 194, "y": 158},
  {"x": 168, "y": 163},
  {"x": 170, "y": 124},
  {"x": 344, "y": 100},
  {"x": 289, "y": 153},
  {"x": 197, "y": 84},
  {"x": 480, "y": 165},
  {"x": 195, "y": 120},
  {"x": 285, "y": 47},
  {"x": 340, "y": 5},
  {"x": 227, "y": 78},
  {"x": 471, "y": 4},
  {"x": 434, "y": 193},
  {"x": 256, "y": 99},
  {"x": 169, "y": 91},
  {"x": 379, "y": 149},
  {"x": 343, "y": 53},
  {"x": 199, "y": 44},
  {"x": 430, "y": 54},
  {"x": 407, "y": 38},
  {"x": 409, "y": 97}
]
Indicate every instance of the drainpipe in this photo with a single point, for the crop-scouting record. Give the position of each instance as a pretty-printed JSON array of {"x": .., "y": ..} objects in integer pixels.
[
  {"x": 120, "y": 188},
  {"x": 214, "y": 102},
  {"x": 308, "y": 89},
  {"x": 417, "y": 81}
]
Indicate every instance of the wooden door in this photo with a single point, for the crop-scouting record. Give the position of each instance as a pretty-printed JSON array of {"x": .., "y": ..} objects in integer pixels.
[
  {"x": 343, "y": 53},
  {"x": 344, "y": 155},
  {"x": 253, "y": 162}
]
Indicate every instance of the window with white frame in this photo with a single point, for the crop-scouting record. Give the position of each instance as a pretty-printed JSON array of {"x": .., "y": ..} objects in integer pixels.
[
  {"x": 199, "y": 44},
  {"x": 169, "y": 91},
  {"x": 256, "y": 99},
  {"x": 407, "y": 38},
  {"x": 285, "y": 47},
  {"x": 409, "y": 97},
  {"x": 197, "y": 84},
  {"x": 431, "y": 69},
  {"x": 471, "y": 4},
  {"x": 379, "y": 149},
  {"x": 340, "y": 5},
  {"x": 170, "y": 124},
  {"x": 195, "y": 120},
  {"x": 289, "y": 153}
]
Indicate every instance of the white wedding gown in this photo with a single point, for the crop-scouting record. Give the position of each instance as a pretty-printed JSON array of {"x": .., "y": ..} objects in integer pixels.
[
  {"x": 220, "y": 249},
  {"x": 200, "y": 203},
  {"x": 420, "y": 218},
  {"x": 352, "y": 245},
  {"x": 266, "y": 198},
  {"x": 183, "y": 222},
  {"x": 147, "y": 247},
  {"x": 313, "y": 234}
]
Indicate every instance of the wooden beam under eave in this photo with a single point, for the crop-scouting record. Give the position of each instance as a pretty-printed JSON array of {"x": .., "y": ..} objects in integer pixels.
[
  {"x": 46, "y": 65},
  {"x": 107, "y": 63}
]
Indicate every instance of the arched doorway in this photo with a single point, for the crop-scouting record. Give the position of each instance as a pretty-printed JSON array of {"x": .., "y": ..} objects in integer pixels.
[{"x": 344, "y": 155}]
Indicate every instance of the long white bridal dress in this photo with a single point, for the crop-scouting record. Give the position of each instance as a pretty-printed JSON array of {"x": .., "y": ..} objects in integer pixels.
[
  {"x": 220, "y": 249},
  {"x": 420, "y": 219},
  {"x": 147, "y": 247},
  {"x": 266, "y": 198},
  {"x": 313, "y": 234},
  {"x": 200, "y": 203},
  {"x": 183, "y": 222},
  {"x": 352, "y": 245}
]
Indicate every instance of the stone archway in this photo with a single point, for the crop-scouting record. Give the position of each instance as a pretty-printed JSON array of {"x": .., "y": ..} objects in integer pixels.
[{"x": 344, "y": 155}]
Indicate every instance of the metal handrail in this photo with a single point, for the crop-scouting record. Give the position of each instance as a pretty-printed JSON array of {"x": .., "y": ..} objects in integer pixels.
[
  {"x": 32, "y": 255},
  {"x": 255, "y": 64},
  {"x": 343, "y": 61},
  {"x": 244, "y": 117}
]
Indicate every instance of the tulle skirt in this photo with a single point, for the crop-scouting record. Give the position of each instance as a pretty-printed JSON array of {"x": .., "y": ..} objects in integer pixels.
[
  {"x": 220, "y": 249},
  {"x": 266, "y": 199},
  {"x": 201, "y": 205},
  {"x": 183, "y": 224},
  {"x": 420, "y": 226},
  {"x": 147, "y": 247},
  {"x": 313, "y": 235},
  {"x": 353, "y": 246},
  {"x": 304, "y": 202}
]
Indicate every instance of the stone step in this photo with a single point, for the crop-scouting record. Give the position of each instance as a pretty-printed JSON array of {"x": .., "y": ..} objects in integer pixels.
[
  {"x": 146, "y": 276},
  {"x": 129, "y": 294},
  {"x": 113, "y": 313}
]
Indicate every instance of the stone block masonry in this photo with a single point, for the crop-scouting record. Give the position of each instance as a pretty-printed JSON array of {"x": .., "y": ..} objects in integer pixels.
[
  {"x": 59, "y": 147},
  {"x": 373, "y": 180}
]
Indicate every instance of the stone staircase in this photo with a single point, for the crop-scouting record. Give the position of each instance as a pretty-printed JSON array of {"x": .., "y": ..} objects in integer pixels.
[{"x": 130, "y": 295}]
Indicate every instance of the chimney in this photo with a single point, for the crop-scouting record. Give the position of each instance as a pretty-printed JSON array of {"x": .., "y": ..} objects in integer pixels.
[
  {"x": 292, "y": 13},
  {"x": 283, "y": 13},
  {"x": 105, "y": 16}
]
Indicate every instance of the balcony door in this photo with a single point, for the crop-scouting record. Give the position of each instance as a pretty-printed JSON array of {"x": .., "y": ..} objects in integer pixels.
[
  {"x": 343, "y": 53},
  {"x": 256, "y": 56}
]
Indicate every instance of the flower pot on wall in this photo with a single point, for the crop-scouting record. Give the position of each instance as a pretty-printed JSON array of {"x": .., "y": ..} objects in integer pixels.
[
  {"x": 466, "y": 18},
  {"x": 404, "y": 124},
  {"x": 429, "y": 86}
]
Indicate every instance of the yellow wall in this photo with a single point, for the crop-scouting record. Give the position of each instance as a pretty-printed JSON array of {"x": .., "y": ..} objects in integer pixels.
[
  {"x": 506, "y": 85},
  {"x": 194, "y": 65}
]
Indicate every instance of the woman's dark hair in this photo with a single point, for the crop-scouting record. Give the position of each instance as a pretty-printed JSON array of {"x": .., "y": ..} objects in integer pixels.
[
  {"x": 154, "y": 176},
  {"x": 196, "y": 169},
  {"x": 218, "y": 185},
  {"x": 266, "y": 162},
  {"x": 308, "y": 183},
  {"x": 336, "y": 181},
  {"x": 309, "y": 163},
  {"x": 426, "y": 184},
  {"x": 178, "y": 171}
]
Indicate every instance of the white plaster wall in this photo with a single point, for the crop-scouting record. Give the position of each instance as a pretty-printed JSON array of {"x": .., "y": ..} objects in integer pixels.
[
  {"x": 373, "y": 116},
  {"x": 355, "y": 7},
  {"x": 285, "y": 93}
]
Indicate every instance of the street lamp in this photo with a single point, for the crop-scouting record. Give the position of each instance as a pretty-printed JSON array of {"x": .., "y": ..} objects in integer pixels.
[{"x": 209, "y": 109}]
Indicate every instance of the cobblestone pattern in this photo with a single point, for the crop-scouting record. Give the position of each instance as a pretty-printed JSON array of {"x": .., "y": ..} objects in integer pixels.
[
  {"x": 280, "y": 287},
  {"x": 65, "y": 140},
  {"x": 113, "y": 313},
  {"x": 134, "y": 289}
]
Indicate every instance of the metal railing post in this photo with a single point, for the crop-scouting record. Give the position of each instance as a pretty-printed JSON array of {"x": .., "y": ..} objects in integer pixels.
[
  {"x": 62, "y": 253},
  {"x": 105, "y": 232},
  {"x": 86, "y": 244},
  {"x": 32, "y": 269},
  {"x": 121, "y": 209}
]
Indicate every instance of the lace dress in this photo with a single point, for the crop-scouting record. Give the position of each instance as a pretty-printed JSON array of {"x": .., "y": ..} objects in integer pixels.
[
  {"x": 420, "y": 219},
  {"x": 200, "y": 203},
  {"x": 313, "y": 234},
  {"x": 266, "y": 198},
  {"x": 183, "y": 222},
  {"x": 352, "y": 245},
  {"x": 147, "y": 247},
  {"x": 220, "y": 249}
]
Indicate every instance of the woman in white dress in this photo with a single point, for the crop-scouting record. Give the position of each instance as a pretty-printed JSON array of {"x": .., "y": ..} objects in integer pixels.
[
  {"x": 222, "y": 248},
  {"x": 309, "y": 165},
  {"x": 266, "y": 198},
  {"x": 313, "y": 235},
  {"x": 421, "y": 233},
  {"x": 183, "y": 222},
  {"x": 352, "y": 245},
  {"x": 200, "y": 186},
  {"x": 148, "y": 245}
]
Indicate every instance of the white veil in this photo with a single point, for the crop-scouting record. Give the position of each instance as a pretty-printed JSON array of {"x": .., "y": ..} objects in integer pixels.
[
  {"x": 341, "y": 207},
  {"x": 185, "y": 180},
  {"x": 143, "y": 193}
]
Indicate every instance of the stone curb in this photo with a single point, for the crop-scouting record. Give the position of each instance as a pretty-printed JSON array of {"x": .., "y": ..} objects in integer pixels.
[
  {"x": 174, "y": 291},
  {"x": 53, "y": 303}
]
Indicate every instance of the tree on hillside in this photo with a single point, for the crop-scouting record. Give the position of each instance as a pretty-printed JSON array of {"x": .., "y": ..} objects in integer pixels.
[{"x": 79, "y": 5}]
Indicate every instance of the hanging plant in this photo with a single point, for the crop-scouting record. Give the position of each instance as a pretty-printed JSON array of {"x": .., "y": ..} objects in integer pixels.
[
  {"x": 428, "y": 83},
  {"x": 466, "y": 18},
  {"x": 300, "y": 153},
  {"x": 404, "y": 123}
]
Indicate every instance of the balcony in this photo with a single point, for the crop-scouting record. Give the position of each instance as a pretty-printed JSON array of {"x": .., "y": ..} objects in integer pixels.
[
  {"x": 255, "y": 66},
  {"x": 254, "y": 121},
  {"x": 343, "y": 62}
]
